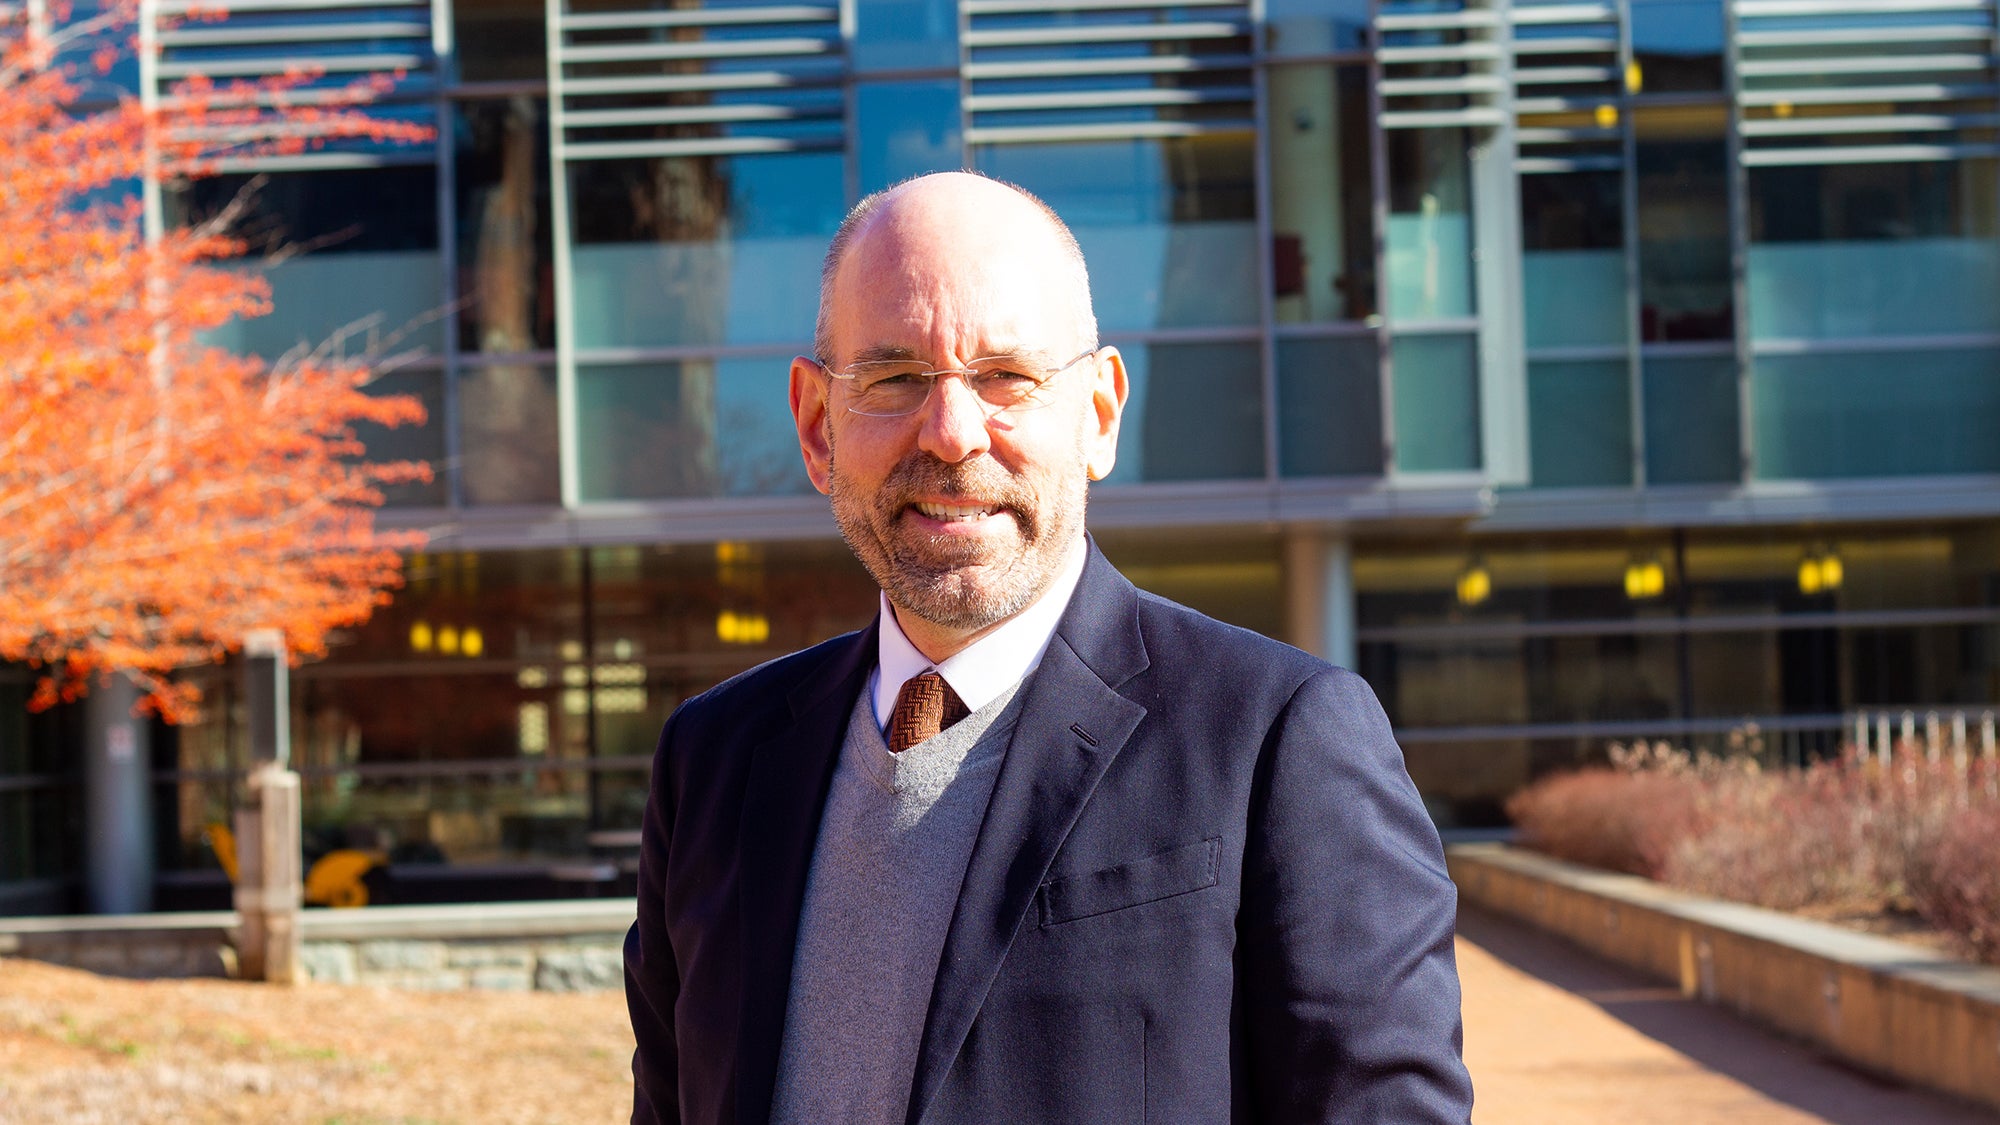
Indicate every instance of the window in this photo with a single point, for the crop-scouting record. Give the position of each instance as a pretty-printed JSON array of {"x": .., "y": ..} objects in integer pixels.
[
  {"x": 361, "y": 271},
  {"x": 1322, "y": 194},
  {"x": 1168, "y": 226},
  {"x": 701, "y": 250},
  {"x": 1847, "y": 250}
]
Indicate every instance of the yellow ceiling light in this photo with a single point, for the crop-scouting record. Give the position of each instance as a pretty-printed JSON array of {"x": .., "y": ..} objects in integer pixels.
[
  {"x": 1645, "y": 578},
  {"x": 742, "y": 628},
  {"x": 447, "y": 640},
  {"x": 1635, "y": 78},
  {"x": 1475, "y": 584},
  {"x": 1820, "y": 572},
  {"x": 1606, "y": 116},
  {"x": 420, "y": 637},
  {"x": 471, "y": 642}
]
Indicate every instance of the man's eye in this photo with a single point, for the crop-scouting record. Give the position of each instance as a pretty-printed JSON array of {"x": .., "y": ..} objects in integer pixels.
[
  {"x": 1007, "y": 378},
  {"x": 891, "y": 380}
]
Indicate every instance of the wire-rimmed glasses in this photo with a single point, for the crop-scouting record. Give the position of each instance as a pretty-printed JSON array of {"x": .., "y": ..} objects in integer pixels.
[{"x": 890, "y": 388}]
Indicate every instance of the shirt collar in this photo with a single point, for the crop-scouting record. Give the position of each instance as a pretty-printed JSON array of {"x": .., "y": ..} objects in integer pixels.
[{"x": 988, "y": 666}]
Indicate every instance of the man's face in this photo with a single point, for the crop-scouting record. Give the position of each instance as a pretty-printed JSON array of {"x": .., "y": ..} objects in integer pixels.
[{"x": 963, "y": 519}]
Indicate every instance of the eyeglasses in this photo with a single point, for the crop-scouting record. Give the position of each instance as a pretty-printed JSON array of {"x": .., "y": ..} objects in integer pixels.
[{"x": 889, "y": 388}]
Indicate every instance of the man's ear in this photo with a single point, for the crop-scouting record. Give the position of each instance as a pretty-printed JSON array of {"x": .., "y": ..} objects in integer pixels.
[
  {"x": 809, "y": 413},
  {"x": 1107, "y": 399}
]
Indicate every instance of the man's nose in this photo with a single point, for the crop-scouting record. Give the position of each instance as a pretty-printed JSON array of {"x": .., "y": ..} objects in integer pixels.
[{"x": 954, "y": 421}]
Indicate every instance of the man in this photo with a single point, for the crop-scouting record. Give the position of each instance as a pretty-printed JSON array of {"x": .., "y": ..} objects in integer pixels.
[{"x": 1161, "y": 869}]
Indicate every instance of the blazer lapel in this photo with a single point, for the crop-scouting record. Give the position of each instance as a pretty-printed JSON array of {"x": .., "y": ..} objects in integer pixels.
[
  {"x": 1072, "y": 725},
  {"x": 782, "y": 802}
]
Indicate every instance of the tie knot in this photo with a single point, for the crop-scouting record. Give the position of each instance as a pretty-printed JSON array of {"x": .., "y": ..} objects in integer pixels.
[{"x": 924, "y": 706}]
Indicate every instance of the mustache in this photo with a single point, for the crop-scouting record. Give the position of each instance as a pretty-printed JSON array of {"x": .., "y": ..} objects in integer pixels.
[{"x": 923, "y": 476}]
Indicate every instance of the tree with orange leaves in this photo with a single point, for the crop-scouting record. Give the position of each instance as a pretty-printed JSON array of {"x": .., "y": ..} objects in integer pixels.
[{"x": 159, "y": 497}]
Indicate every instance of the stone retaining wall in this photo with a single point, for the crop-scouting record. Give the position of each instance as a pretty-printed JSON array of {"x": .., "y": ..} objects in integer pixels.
[
  {"x": 1896, "y": 1009},
  {"x": 556, "y": 947},
  {"x": 144, "y": 946}
]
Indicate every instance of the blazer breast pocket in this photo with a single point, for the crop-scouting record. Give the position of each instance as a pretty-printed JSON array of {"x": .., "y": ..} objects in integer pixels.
[{"x": 1176, "y": 871}]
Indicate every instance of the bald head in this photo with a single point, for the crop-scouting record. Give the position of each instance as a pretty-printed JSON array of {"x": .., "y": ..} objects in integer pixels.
[{"x": 928, "y": 228}]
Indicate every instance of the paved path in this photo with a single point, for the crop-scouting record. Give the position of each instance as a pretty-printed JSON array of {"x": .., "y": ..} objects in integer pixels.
[{"x": 1554, "y": 1036}]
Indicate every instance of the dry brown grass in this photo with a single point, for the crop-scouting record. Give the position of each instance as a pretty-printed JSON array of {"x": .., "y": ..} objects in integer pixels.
[{"x": 78, "y": 1048}]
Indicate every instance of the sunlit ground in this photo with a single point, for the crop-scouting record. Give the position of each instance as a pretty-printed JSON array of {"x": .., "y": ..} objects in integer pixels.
[{"x": 1552, "y": 1038}]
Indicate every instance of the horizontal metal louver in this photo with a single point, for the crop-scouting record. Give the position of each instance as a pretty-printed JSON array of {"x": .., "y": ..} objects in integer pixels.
[
  {"x": 630, "y": 82},
  {"x": 1042, "y": 70},
  {"x": 266, "y": 57},
  {"x": 1569, "y": 84},
  {"x": 1443, "y": 66},
  {"x": 1866, "y": 81}
]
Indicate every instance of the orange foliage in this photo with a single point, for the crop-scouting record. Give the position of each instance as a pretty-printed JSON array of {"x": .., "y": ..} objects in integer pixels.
[{"x": 160, "y": 497}]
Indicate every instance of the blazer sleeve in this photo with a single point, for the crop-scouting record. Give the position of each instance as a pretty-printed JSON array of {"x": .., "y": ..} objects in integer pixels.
[
  {"x": 652, "y": 977},
  {"x": 1349, "y": 983}
]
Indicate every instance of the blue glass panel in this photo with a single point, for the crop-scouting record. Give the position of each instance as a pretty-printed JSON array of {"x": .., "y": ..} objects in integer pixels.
[
  {"x": 905, "y": 34},
  {"x": 1430, "y": 266},
  {"x": 1329, "y": 407},
  {"x": 1322, "y": 194},
  {"x": 695, "y": 428},
  {"x": 1579, "y": 424},
  {"x": 905, "y": 129},
  {"x": 1677, "y": 44},
  {"x": 1861, "y": 414},
  {"x": 370, "y": 279},
  {"x": 1683, "y": 189},
  {"x": 1692, "y": 431},
  {"x": 1573, "y": 298},
  {"x": 1195, "y": 412},
  {"x": 1875, "y": 288},
  {"x": 410, "y": 442},
  {"x": 386, "y": 301},
  {"x": 1873, "y": 250},
  {"x": 760, "y": 447},
  {"x": 1314, "y": 27},
  {"x": 1429, "y": 259},
  {"x": 1573, "y": 262},
  {"x": 1436, "y": 389},
  {"x": 507, "y": 435},
  {"x": 97, "y": 83},
  {"x": 1168, "y": 226},
  {"x": 505, "y": 250},
  {"x": 702, "y": 251}
]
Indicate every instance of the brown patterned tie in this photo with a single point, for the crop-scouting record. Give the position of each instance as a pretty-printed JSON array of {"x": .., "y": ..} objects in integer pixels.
[{"x": 925, "y": 706}]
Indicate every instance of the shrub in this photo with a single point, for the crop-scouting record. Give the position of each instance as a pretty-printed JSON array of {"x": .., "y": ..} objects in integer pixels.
[
  {"x": 1779, "y": 840},
  {"x": 1611, "y": 818},
  {"x": 1854, "y": 834},
  {"x": 1958, "y": 890}
]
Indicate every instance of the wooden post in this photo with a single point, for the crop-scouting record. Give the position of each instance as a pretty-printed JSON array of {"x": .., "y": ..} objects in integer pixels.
[{"x": 268, "y": 893}]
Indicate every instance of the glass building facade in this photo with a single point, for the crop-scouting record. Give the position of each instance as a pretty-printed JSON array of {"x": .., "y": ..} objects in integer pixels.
[{"x": 1576, "y": 371}]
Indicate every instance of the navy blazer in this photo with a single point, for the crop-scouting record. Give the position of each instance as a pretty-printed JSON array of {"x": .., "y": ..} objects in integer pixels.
[{"x": 1205, "y": 890}]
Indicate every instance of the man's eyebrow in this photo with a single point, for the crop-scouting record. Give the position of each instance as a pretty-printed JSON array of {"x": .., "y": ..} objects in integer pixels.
[
  {"x": 897, "y": 353},
  {"x": 881, "y": 353}
]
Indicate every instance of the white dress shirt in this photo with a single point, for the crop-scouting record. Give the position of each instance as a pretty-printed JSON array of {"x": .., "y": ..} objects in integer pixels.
[{"x": 986, "y": 667}]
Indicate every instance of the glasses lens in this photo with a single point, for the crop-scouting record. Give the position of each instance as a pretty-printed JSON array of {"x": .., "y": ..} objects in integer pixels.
[
  {"x": 889, "y": 388},
  {"x": 1008, "y": 382}
]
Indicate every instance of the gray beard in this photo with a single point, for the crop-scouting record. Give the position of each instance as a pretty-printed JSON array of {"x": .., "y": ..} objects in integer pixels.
[{"x": 958, "y": 588}]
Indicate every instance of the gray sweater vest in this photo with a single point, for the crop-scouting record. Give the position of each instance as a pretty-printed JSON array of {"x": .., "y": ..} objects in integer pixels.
[{"x": 893, "y": 845}]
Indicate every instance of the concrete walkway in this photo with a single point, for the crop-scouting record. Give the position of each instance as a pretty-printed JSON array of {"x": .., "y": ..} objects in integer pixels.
[{"x": 1555, "y": 1036}]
